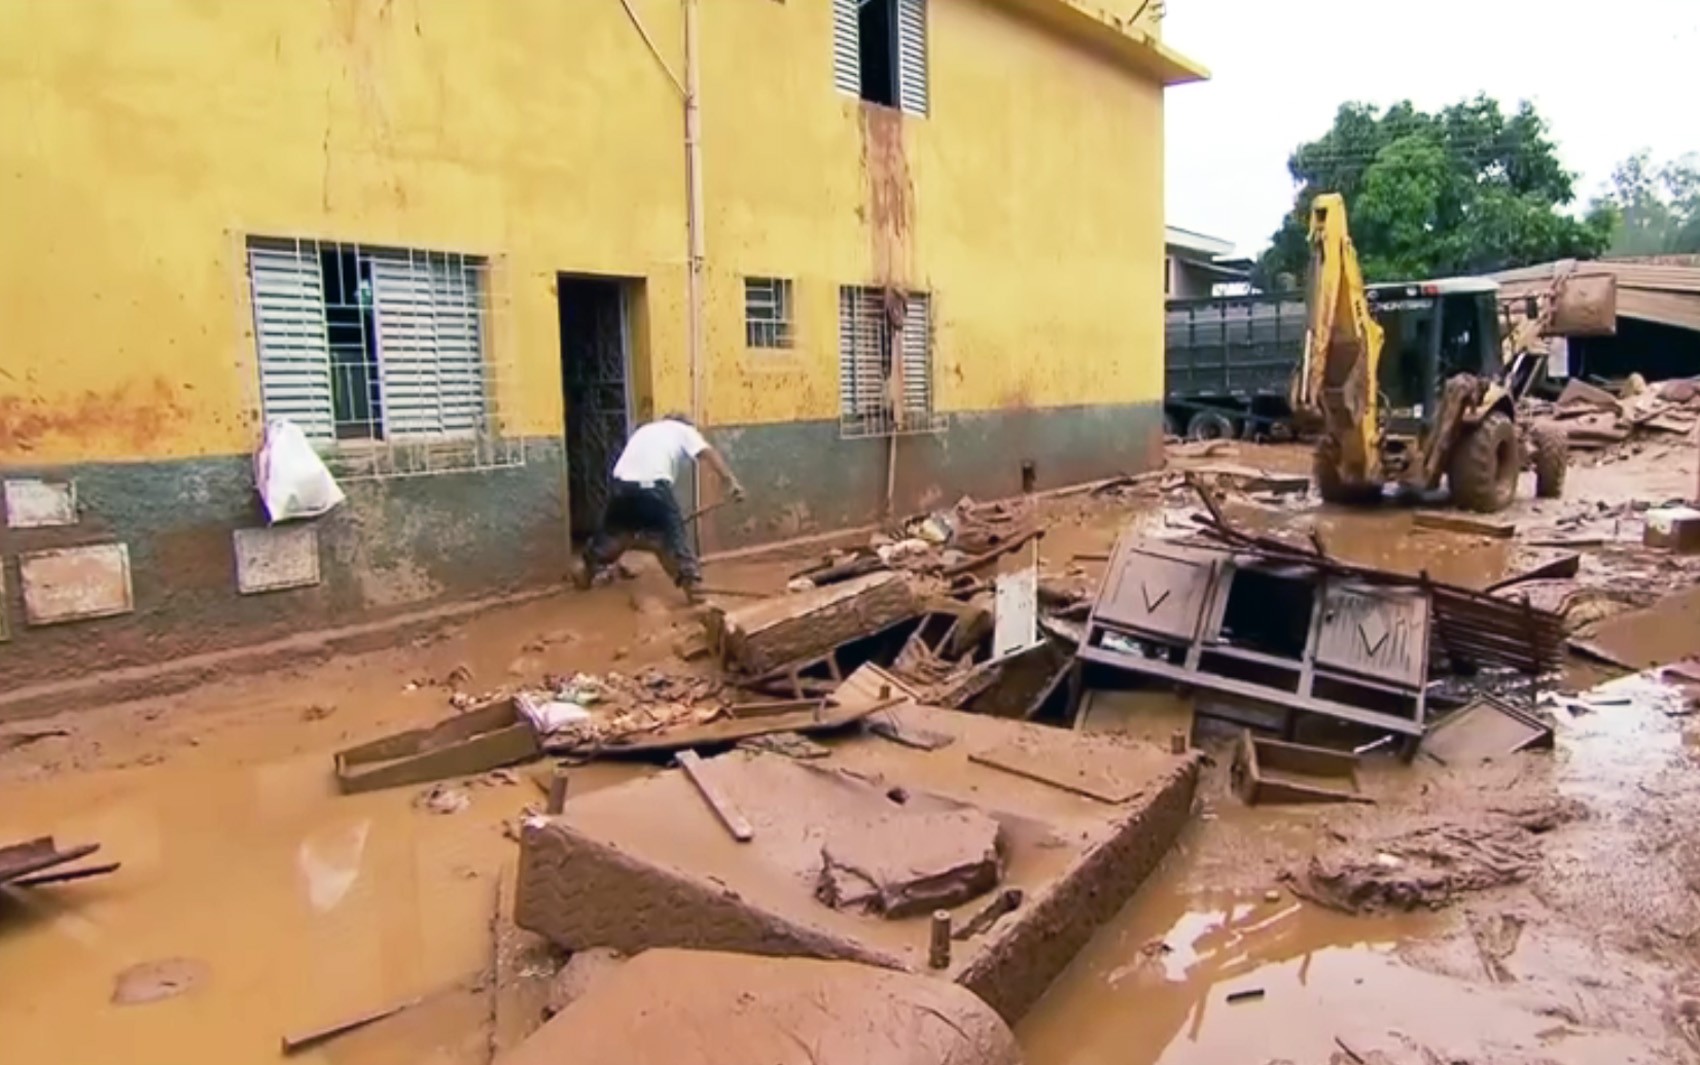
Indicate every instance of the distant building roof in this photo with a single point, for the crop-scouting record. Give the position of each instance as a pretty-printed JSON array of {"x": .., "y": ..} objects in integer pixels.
[{"x": 1200, "y": 245}]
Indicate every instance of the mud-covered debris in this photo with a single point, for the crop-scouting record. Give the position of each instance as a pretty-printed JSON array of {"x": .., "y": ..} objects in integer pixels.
[
  {"x": 1432, "y": 865},
  {"x": 155, "y": 981},
  {"x": 579, "y": 974},
  {"x": 907, "y": 862},
  {"x": 442, "y": 799}
]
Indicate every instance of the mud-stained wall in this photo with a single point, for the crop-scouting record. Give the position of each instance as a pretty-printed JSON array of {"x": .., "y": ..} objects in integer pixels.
[
  {"x": 1028, "y": 201},
  {"x": 147, "y": 140}
]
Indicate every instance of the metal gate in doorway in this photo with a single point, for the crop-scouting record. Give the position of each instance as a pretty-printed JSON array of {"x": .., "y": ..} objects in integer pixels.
[{"x": 596, "y": 382}]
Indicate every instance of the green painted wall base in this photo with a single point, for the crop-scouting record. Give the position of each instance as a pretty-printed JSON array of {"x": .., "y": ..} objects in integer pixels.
[
  {"x": 803, "y": 478},
  {"x": 401, "y": 544},
  {"x": 396, "y": 545}
]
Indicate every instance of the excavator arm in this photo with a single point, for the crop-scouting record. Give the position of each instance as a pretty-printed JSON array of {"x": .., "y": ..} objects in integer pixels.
[{"x": 1336, "y": 387}]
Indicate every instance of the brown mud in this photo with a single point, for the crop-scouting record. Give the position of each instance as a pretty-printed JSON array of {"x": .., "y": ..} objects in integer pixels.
[{"x": 298, "y": 907}]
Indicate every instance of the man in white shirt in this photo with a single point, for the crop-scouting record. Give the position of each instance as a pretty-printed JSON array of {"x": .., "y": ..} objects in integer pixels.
[{"x": 642, "y": 510}]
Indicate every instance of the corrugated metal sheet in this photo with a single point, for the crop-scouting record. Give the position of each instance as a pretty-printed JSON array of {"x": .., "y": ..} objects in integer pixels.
[
  {"x": 430, "y": 351},
  {"x": 1656, "y": 292},
  {"x": 846, "y": 56},
  {"x": 912, "y": 56},
  {"x": 289, "y": 331}
]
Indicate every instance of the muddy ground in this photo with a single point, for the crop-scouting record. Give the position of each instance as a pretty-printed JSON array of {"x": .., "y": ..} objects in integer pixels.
[{"x": 290, "y": 906}]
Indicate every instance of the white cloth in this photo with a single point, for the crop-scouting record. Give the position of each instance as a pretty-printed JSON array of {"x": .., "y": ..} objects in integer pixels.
[{"x": 657, "y": 451}]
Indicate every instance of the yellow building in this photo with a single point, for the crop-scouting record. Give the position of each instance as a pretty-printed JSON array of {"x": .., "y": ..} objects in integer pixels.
[{"x": 466, "y": 244}]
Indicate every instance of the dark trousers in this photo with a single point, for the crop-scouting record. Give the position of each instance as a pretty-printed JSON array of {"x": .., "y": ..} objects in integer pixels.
[{"x": 644, "y": 519}]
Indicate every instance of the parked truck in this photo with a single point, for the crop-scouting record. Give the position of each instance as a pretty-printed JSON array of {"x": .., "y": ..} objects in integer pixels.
[{"x": 1228, "y": 365}]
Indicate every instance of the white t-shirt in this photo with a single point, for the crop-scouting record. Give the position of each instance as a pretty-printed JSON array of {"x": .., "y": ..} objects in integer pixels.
[{"x": 657, "y": 450}]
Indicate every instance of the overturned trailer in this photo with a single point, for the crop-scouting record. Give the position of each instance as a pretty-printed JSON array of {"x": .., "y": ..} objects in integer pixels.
[{"x": 1294, "y": 629}]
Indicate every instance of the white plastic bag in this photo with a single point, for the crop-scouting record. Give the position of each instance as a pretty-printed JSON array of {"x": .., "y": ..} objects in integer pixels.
[{"x": 291, "y": 478}]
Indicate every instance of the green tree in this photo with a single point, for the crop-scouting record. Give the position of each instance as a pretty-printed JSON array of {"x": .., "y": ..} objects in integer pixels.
[
  {"x": 1464, "y": 190},
  {"x": 1656, "y": 208}
]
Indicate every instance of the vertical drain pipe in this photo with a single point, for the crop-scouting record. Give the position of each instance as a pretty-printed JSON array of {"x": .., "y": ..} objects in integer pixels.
[{"x": 693, "y": 216}]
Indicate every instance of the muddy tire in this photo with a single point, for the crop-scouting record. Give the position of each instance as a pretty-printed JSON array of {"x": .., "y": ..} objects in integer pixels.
[
  {"x": 1551, "y": 446},
  {"x": 1171, "y": 428},
  {"x": 1325, "y": 473},
  {"x": 1209, "y": 425},
  {"x": 1484, "y": 466}
]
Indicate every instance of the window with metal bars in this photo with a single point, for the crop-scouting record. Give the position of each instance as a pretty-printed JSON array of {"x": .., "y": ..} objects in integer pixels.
[
  {"x": 367, "y": 343},
  {"x": 885, "y": 362},
  {"x": 767, "y": 312},
  {"x": 879, "y": 51}
]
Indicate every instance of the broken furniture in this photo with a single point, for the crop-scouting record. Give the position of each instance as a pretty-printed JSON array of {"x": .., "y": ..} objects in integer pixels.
[
  {"x": 1486, "y": 729},
  {"x": 1272, "y": 631},
  {"x": 1270, "y": 771},
  {"x": 27, "y": 864},
  {"x": 484, "y": 738},
  {"x": 647, "y": 864}
]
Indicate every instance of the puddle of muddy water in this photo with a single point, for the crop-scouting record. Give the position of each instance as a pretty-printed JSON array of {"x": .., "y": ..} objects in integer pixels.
[
  {"x": 298, "y": 907},
  {"x": 1154, "y": 985}
]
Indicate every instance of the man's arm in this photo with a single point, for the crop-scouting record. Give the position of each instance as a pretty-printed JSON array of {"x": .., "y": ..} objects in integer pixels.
[{"x": 713, "y": 458}]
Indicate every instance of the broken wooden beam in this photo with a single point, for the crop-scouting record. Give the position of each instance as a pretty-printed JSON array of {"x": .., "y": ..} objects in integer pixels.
[
  {"x": 995, "y": 553},
  {"x": 1464, "y": 523},
  {"x": 1564, "y": 566},
  {"x": 305, "y": 1040},
  {"x": 800, "y": 626},
  {"x": 716, "y": 800}
]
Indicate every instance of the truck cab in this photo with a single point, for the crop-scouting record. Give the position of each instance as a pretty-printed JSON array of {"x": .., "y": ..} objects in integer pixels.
[{"x": 1434, "y": 330}]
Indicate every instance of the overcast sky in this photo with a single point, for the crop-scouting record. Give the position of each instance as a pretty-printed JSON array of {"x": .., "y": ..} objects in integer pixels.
[{"x": 1610, "y": 78}]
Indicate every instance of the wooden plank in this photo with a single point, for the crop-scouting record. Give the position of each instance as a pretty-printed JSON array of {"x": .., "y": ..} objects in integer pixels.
[
  {"x": 775, "y": 706},
  {"x": 1563, "y": 566},
  {"x": 718, "y": 802},
  {"x": 1462, "y": 523},
  {"x": 1090, "y": 773},
  {"x": 296, "y": 1042}
]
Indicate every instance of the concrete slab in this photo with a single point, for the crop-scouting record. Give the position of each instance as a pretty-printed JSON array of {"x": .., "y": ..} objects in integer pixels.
[{"x": 647, "y": 864}]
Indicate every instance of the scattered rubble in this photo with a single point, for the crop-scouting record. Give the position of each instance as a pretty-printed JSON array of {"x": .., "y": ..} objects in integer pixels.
[
  {"x": 945, "y": 859},
  {"x": 1431, "y": 864},
  {"x": 1605, "y": 420}
]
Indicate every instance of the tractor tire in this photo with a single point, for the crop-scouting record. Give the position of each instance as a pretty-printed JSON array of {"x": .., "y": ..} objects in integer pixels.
[
  {"x": 1482, "y": 470},
  {"x": 1551, "y": 446},
  {"x": 1171, "y": 428},
  {"x": 1209, "y": 425},
  {"x": 1325, "y": 474}
]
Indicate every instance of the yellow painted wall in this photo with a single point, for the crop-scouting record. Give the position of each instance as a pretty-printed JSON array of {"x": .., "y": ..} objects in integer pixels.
[
  {"x": 147, "y": 138},
  {"x": 1038, "y": 203}
]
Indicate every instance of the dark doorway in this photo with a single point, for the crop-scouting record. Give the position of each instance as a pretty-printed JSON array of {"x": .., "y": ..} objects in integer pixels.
[
  {"x": 595, "y": 383},
  {"x": 876, "y": 27}
]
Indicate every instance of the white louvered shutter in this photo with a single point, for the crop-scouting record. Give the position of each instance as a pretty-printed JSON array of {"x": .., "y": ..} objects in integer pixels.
[
  {"x": 917, "y": 355},
  {"x": 912, "y": 56},
  {"x": 846, "y": 48},
  {"x": 430, "y": 349},
  {"x": 861, "y": 378},
  {"x": 289, "y": 332}
]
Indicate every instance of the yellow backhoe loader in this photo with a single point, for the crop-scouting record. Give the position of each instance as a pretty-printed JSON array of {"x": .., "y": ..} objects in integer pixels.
[{"x": 1406, "y": 383}]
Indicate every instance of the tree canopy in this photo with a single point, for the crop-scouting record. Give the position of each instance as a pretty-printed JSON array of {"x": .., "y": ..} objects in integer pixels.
[
  {"x": 1655, "y": 207},
  {"x": 1465, "y": 190}
]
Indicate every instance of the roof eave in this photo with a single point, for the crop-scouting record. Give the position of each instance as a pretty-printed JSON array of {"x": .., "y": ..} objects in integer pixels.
[{"x": 1131, "y": 47}]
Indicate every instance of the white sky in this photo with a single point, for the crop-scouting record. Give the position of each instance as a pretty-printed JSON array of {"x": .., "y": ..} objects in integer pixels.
[{"x": 1610, "y": 78}]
